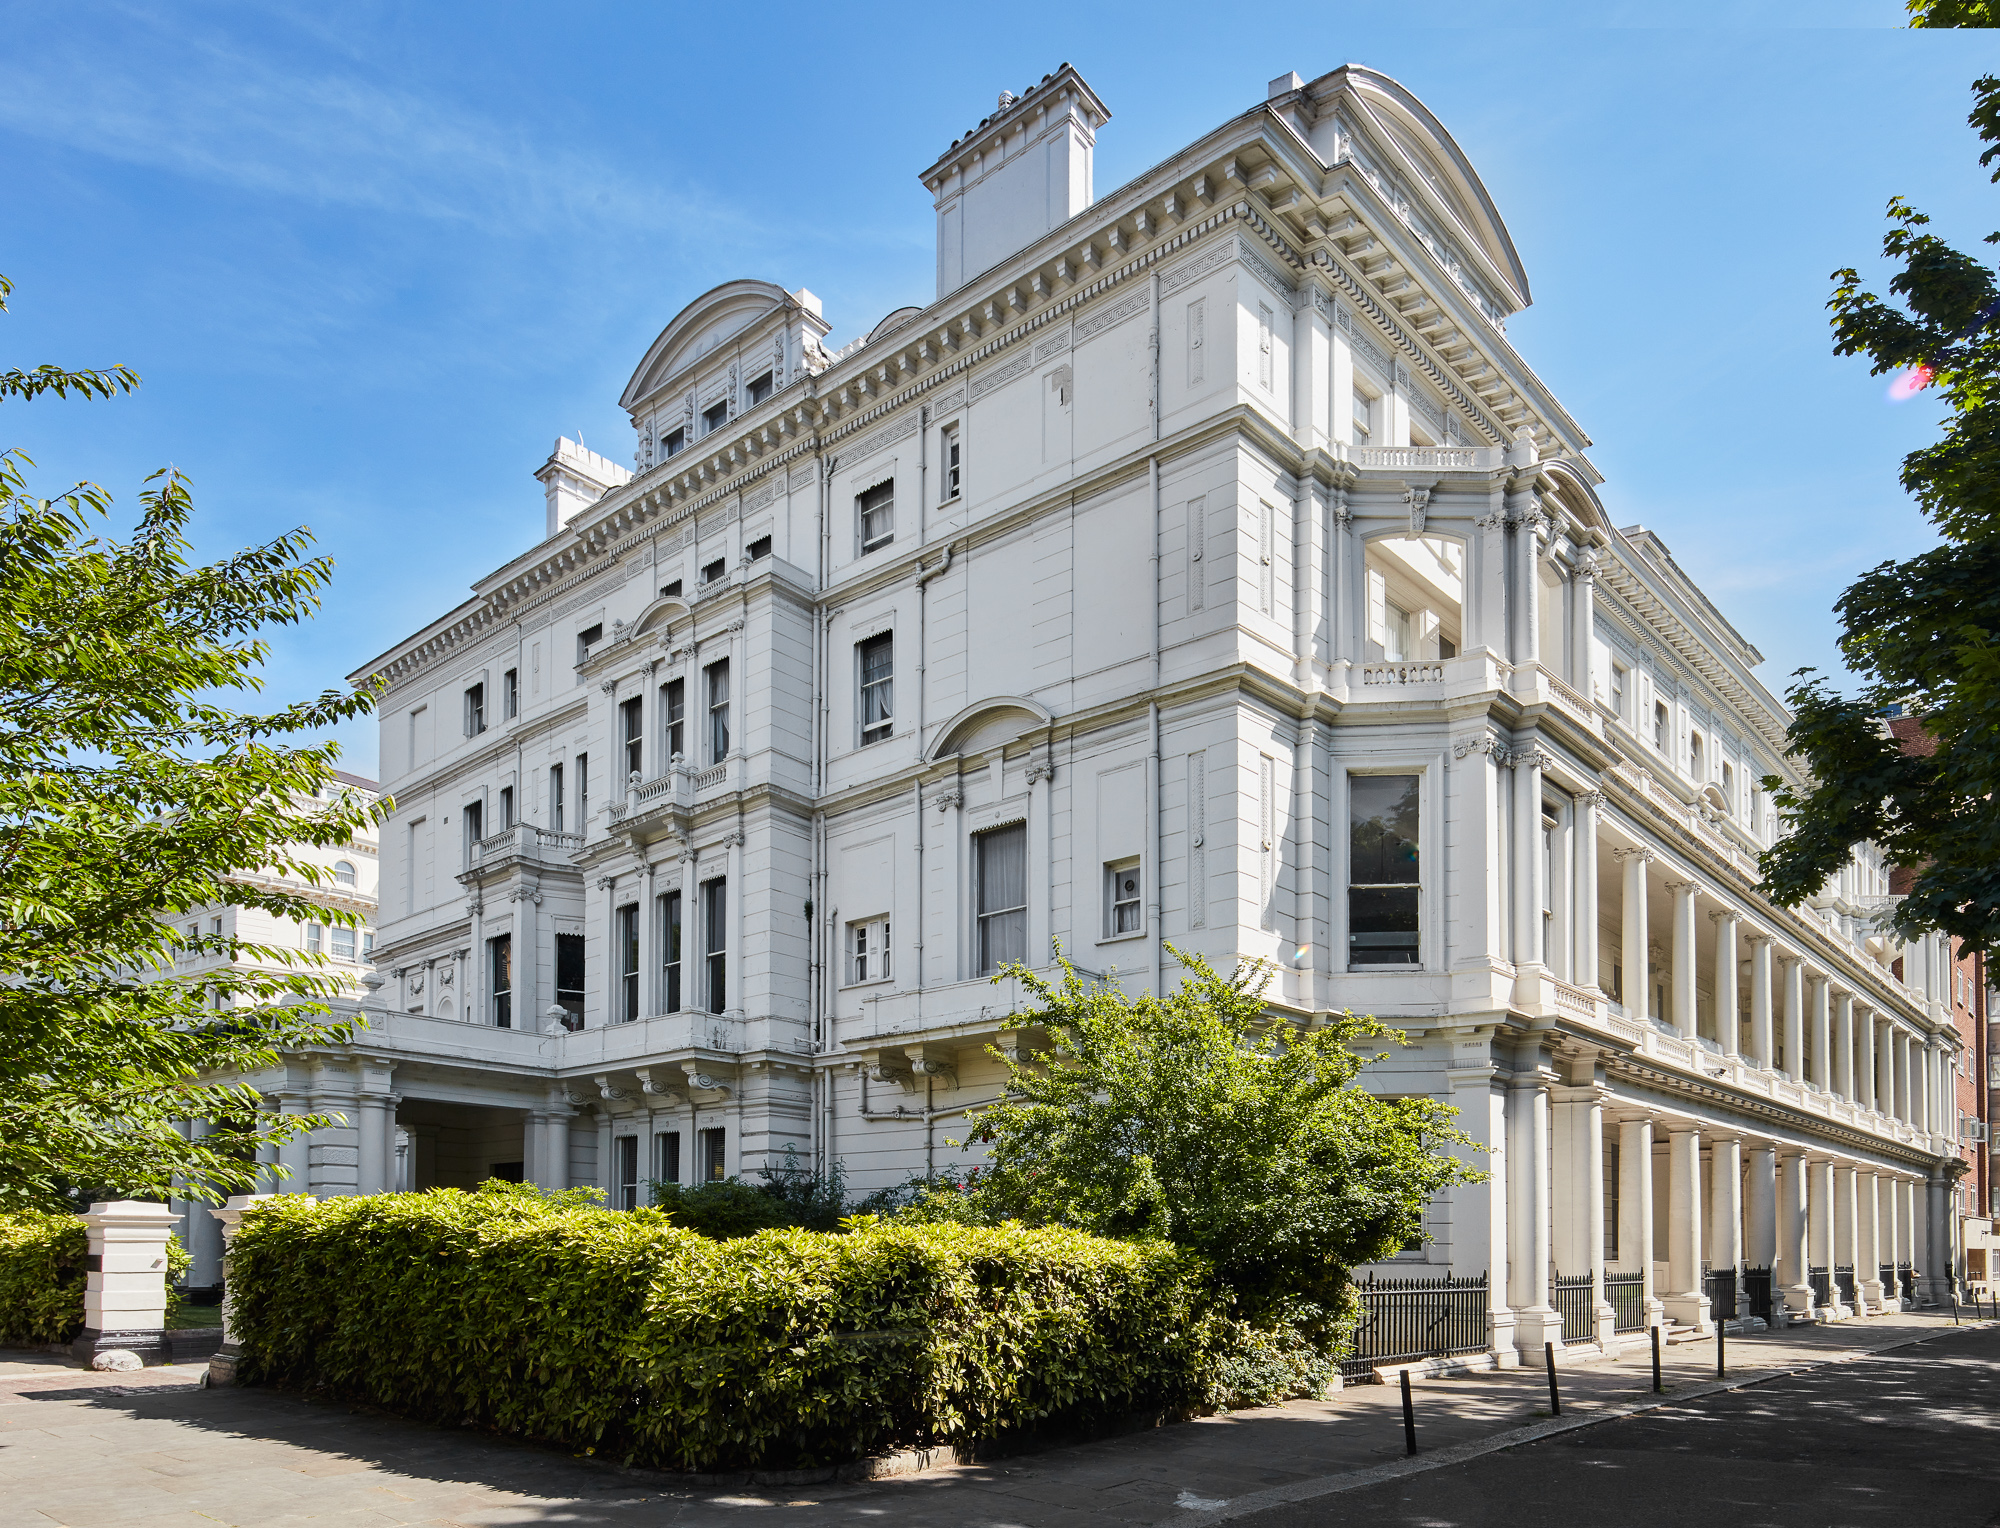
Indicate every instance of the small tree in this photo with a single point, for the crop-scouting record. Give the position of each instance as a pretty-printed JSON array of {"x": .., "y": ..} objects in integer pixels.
[
  {"x": 1924, "y": 633},
  {"x": 127, "y": 796},
  {"x": 1200, "y": 1119}
]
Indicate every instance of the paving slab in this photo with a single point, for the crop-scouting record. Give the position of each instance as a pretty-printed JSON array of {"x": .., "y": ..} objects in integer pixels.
[{"x": 75, "y": 1450}]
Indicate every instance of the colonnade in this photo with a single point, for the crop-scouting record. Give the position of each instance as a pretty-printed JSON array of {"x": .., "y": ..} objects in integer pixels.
[
  {"x": 1649, "y": 1203},
  {"x": 1802, "y": 1024}
]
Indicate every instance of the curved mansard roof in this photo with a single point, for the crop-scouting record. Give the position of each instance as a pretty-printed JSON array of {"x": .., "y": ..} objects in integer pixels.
[
  {"x": 1430, "y": 161},
  {"x": 707, "y": 322}
]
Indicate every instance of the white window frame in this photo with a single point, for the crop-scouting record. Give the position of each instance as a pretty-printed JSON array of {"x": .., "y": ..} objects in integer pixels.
[
  {"x": 869, "y": 957},
  {"x": 1114, "y": 872},
  {"x": 879, "y": 731},
  {"x": 951, "y": 462},
  {"x": 863, "y": 510}
]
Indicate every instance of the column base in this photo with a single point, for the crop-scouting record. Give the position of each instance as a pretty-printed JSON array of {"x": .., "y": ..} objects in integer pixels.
[
  {"x": 1690, "y": 1311},
  {"x": 1798, "y": 1302},
  {"x": 222, "y": 1366},
  {"x": 1500, "y": 1339},
  {"x": 1871, "y": 1297},
  {"x": 1534, "y": 1327},
  {"x": 1605, "y": 1322},
  {"x": 149, "y": 1343}
]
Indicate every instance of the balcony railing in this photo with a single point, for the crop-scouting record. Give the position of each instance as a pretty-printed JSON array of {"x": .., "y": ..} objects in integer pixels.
[
  {"x": 1401, "y": 674},
  {"x": 1431, "y": 458}
]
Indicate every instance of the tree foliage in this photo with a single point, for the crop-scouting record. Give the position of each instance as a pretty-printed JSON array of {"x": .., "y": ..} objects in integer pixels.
[
  {"x": 129, "y": 795},
  {"x": 1952, "y": 13},
  {"x": 1199, "y": 1119},
  {"x": 1919, "y": 633}
]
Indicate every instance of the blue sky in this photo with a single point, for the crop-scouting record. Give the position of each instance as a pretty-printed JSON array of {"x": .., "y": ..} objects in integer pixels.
[{"x": 371, "y": 259}]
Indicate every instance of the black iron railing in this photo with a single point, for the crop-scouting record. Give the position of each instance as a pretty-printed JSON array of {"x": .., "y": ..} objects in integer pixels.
[
  {"x": 1757, "y": 1293},
  {"x": 1887, "y": 1274},
  {"x": 1906, "y": 1281},
  {"x": 1403, "y": 1320},
  {"x": 1843, "y": 1280},
  {"x": 1821, "y": 1280},
  {"x": 1576, "y": 1303},
  {"x": 1627, "y": 1294},
  {"x": 1719, "y": 1284}
]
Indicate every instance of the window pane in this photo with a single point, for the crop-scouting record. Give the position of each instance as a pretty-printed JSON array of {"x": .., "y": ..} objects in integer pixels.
[
  {"x": 1382, "y": 925},
  {"x": 1382, "y": 829},
  {"x": 1003, "y": 897}
]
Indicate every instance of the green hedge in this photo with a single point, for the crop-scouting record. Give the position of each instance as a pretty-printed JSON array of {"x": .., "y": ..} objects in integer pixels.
[
  {"x": 42, "y": 1276},
  {"x": 625, "y": 1335}
]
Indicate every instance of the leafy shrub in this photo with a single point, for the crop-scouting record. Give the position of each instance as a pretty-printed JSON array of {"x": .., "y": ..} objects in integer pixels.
[
  {"x": 790, "y": 1195},
  {"x": 625, "y": 1334},
  {"x": 42, "y": 1276}
]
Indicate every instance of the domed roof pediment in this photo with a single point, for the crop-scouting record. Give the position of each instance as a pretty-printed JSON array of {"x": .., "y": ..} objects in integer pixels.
[
  {"x": 989, "y": 724},
  {"x": 704, "y": 325}
]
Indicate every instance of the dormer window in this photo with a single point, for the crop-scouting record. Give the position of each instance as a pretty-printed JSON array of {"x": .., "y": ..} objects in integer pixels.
[
  {"x": 715, "y": 418},
  {"x": 759, "y": 390}
]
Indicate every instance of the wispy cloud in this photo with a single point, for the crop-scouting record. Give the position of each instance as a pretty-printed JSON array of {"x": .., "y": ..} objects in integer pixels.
[{"x": 317, "y": 126}]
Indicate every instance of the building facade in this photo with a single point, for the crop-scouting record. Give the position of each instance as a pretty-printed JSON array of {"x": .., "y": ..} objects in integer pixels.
[
  {"x": 1200, "y": 566},
  {"x": 351, "y": 886}
]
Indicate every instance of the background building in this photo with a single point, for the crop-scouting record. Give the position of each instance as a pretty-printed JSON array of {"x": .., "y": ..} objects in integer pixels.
[{"x": 1201, "y": 564}]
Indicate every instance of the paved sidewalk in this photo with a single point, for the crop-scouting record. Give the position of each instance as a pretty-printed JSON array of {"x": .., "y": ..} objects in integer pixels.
[{"x": 153, "y": 1450}]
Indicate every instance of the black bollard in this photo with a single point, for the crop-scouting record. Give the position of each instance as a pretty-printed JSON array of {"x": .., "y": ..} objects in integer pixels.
[
  {"x": 1721, "y": 1348},
  {"x": 1409, "y": 1418},
  {"x": 1658, "y": 1388}
]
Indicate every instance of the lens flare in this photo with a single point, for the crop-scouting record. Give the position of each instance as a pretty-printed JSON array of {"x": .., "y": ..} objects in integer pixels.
[
  {"x": 1299, "y": 955},
  {"x": 1910, "y": 382}
]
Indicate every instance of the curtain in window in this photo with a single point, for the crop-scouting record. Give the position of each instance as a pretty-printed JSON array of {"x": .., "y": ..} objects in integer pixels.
[{"x": 1003, "y": 897}]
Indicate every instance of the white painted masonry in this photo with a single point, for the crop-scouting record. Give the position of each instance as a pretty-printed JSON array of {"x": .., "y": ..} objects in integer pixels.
[{"x": 1091, "y": 604}]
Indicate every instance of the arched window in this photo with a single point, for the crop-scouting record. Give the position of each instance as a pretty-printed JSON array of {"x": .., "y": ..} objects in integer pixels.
[{"x": 343, "y": 872}]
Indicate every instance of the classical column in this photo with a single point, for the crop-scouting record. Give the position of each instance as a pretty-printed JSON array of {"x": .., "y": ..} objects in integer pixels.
[
  {"x": 1587, "y": 806},
  {"x": 1819, "y": 1223},
  {"x": 1868, "y": 1228},
  {"x": 1579, "y": 1192},
  {"x": 1761, "y": 1050},
  {"x": 1726, "y": 1025},
  {"x": 1847, "y": 1232},
  {"x": 1940, "y": 1265},
  {"x": 1864, "y": 1059},
  {"x": 1684, "y": 927},
  {"x": 1843, "y": 1046},
  {"x": 1479, "y": 1211},
  {"x": 1635, "y": 1205},
  {"x": 1885, "y": 1065},
  {"x": 1761, "y": 1214},
  {"x": 371, "y": 1170},
  {"x": 1822, "y": 1035},
  {"x": 1527, "y": 761},
  {"x": 1889, "y": 1199},
  {"x": 1927, "y": 1087},
  {"x": 295, "y": 1151},
  {"x": 1795, "y": 1019},
  {"x": 650, "y": 997},
  {"x": 1685, "y": 1301},
  {"x": 1725, "y": 1220},
  {"x": 555, "y": 1141},
  {"x": 1792, "y": 1272},
  {"x": 1633, "y": 933},
  {"x": 1899, "y": 1073},
  {"x": 1528, "y": 1207}
]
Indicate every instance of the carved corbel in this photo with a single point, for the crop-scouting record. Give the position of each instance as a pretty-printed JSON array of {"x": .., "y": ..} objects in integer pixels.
[{"x": 605, "y": 1090}]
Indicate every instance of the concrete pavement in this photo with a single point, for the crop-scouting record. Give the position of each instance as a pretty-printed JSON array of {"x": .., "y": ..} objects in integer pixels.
[{"x": 156, "y": 1452}]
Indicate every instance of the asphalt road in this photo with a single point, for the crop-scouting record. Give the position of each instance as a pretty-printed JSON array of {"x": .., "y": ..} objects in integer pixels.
[{"x": 1911, "y": 1437}]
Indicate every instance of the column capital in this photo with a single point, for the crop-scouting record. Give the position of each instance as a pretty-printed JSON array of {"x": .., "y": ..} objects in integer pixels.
[
  {"x": 1724, "y": 913},
  {"x": 1678, "y": 887},
  {"x": 1592, "y": 800},
  {"x": 1757, "y": 936},
  {"x": 1625, "y": 852}
]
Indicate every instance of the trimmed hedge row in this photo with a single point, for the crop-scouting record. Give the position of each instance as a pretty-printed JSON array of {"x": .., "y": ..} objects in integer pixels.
[
  {"x": 619, "y": 1333},
  {"x": 41, "y": 1277}
]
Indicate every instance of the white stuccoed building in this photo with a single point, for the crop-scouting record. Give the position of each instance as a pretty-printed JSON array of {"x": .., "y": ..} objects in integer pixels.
[{"x": 1201, "y": 565}]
